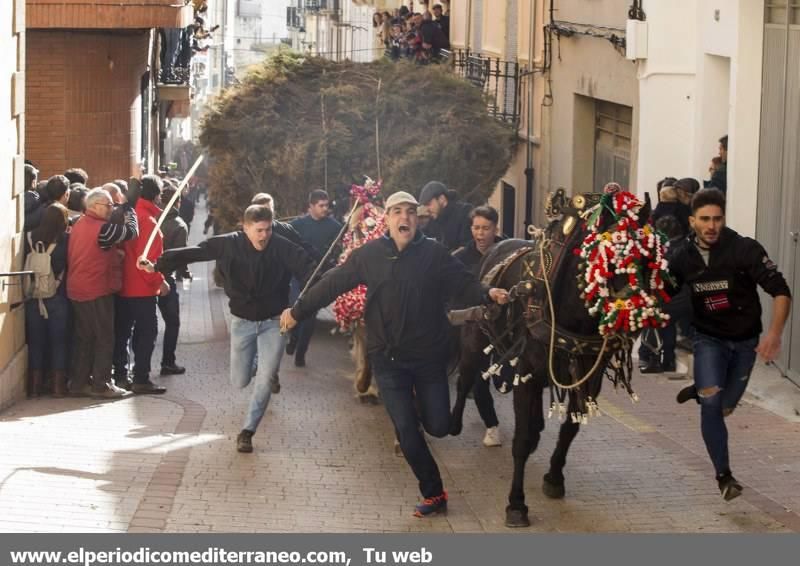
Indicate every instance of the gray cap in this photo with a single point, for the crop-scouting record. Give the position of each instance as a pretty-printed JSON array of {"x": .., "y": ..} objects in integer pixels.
[
  {"x": 400, "y": 197},
  {"x": 431, "y": 190}
]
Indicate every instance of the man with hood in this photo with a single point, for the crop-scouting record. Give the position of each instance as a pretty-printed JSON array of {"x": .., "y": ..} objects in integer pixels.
[{"x": 451, "y": 221}]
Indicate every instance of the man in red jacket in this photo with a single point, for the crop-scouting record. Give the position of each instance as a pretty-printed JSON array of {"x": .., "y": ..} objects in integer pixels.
[{"x": 136, "y": 305}]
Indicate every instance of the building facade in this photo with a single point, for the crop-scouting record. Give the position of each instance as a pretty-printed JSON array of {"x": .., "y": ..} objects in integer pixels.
[
  {"x": 13, "y": 354},
  {"x": 99, "y": 100},
  {"x": 338, "y": 30},
  {"x": 729, "y": 67}
]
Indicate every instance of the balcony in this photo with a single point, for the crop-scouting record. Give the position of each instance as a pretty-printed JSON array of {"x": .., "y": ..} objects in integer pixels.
[
  {"x": 175, "y": 59},
  {"x": 294, "y": 18},
  {"x": 321, "y": 5},
  {"x": 499, "y": 80},
  {"x": 102, "y": 14}
]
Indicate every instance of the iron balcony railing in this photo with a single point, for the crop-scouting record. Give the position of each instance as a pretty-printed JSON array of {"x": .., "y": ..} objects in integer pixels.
[{"x": 498, "y": 79}]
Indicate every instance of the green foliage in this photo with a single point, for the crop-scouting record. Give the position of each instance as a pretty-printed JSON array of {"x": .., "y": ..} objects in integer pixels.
[{"x": 268, "y": 133}]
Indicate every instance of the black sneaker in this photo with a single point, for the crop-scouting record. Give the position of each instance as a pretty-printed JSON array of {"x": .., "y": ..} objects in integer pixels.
[
  {"x": 729, "y": 487},
  {"x": 299, "y": 361},
  {"x": 244, "y": 442},
  {"x": 688, "y": 392},
  {"x": 148, "y": 388},
  {"x": 172, "y": 369},
  {"x": 651, "y": 367},
  {"x": 290, "y": 347},
  {"x": 275, "y": 386}
]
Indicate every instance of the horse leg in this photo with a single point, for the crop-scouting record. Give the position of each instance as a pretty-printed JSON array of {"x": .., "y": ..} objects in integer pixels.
[
  {"x": 553, "y": 484},
  {"x": 470, "y": 364},
  {"x": 528, "y": 426}
]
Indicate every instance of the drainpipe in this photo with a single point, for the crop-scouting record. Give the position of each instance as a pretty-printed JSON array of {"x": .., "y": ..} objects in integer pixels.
[
  {"x": 469, "y": 25},
  {"x": 529, "y": 172}
]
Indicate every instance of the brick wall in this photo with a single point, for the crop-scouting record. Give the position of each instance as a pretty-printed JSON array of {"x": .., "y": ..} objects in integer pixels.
[{"x": 83, "y": 101}]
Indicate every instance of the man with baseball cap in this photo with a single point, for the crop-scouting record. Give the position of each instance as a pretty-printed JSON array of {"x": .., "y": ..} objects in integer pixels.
[
  {"x": 451, "y": 221},
  {"x": 409, "y": 280}
]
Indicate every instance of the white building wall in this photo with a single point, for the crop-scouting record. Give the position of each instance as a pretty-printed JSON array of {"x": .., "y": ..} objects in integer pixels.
[
  {"x": 13, "y": 354},
  {"x": 700, "y": 81},
  {"x": 667, "y": 94}
]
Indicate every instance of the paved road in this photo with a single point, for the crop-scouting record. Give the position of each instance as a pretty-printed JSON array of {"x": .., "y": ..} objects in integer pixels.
[{"x": 324, "y": 461}]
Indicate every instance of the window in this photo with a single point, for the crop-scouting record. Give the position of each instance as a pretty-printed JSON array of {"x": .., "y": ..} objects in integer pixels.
[{"x": 612, "y": 148}]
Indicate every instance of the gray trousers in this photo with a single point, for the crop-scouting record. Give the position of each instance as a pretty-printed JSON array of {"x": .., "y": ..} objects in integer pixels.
[{"x": 94, "y": 342}]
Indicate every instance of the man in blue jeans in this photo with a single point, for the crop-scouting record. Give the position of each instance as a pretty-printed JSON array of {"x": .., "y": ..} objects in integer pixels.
[
  {"x": 256, "y": 266},
  {"x": 409, "y": 281},
  {"x": 723, "y": 271}
]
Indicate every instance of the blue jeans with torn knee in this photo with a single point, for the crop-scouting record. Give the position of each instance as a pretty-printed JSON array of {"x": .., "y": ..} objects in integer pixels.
[
  {"x": 248, "y": 338},
  {"x": 414, "y": 393},
  {"x": 722, "y": 366}
]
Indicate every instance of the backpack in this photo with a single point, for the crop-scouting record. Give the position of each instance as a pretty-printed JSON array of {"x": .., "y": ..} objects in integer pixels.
[{"x": 44, "y": 283}]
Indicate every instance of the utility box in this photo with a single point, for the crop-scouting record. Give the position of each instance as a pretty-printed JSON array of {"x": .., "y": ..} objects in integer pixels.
[{"x": 636, "y": 40}]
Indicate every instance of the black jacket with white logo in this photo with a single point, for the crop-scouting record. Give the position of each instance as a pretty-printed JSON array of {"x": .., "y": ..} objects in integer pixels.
[{"x": 724, "y": 292}]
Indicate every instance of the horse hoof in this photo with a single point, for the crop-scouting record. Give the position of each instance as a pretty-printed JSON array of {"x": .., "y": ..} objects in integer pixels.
[
  {"x": 517, "y": 518},
  {"x": 552, "y": 488}
]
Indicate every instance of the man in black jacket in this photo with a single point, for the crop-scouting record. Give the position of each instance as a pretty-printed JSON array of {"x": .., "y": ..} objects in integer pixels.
[
  {"x": 256, "y": 267},
  {"x": 319, "y": 229},
  {"x": 284, "y": 230},
  {"x": 409, "y": 280},
  {"x": 176, "y": 233},
  {"x": 723, "y": 271},
  {"x": 451, "y": 221},
  {"x": 472, "y": 359}
]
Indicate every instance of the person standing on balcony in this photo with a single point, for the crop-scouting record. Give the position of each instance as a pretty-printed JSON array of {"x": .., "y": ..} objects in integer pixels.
[
  {"x": 443, "y": 20},
  {"x": 433, "y": 36}
]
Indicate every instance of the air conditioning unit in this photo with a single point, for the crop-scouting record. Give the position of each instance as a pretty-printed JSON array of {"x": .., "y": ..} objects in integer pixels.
[{"x": 636, "y": 40}]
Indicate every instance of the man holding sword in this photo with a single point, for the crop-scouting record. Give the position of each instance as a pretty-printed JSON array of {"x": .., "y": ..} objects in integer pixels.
[
  {"x": 135, "y": 318},
  {"x": 256, "y": 266},
  {"x": 409, "y": 281}
]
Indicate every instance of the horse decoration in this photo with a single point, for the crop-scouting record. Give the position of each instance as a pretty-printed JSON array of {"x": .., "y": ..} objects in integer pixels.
[
  {"x": 579, "y": 298},
  {"x": 365, "y": 223}
]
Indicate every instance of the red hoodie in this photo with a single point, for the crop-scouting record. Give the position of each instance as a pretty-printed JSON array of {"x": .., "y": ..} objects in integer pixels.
[{"x": 135, "y": 282}]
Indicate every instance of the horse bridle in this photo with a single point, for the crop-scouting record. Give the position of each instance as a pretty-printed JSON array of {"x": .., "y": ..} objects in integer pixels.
[{"x": 572, "y": 210}]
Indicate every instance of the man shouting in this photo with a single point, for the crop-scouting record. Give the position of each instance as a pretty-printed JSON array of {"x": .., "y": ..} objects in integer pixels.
[{"x": 409, "y": 281}]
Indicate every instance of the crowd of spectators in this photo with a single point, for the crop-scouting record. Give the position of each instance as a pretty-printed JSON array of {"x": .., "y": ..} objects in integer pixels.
[
  {"x": 418, "y": 36},
  {"x": 88, "y": 305}
]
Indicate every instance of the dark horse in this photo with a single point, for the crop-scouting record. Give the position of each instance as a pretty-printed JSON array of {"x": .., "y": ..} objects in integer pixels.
[{"x": 562, "y": 351}]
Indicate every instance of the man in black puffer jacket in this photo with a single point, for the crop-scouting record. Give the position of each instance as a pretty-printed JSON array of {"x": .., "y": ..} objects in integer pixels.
[{"x": 409, "y": 281}]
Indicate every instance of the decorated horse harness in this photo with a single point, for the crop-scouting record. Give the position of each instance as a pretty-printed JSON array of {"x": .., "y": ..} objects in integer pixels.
[{"x": 534, "y": 318}]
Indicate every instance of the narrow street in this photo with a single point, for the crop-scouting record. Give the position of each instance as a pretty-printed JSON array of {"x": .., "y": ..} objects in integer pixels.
[{"x": 324, "y": 462}]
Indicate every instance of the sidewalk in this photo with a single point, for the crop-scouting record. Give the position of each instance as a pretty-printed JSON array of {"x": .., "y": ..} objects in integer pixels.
[{"x": 324, "y": 462}]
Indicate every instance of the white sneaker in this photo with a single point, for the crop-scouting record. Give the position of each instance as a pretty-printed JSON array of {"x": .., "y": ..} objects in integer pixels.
[{"x": 492, "y": 437}]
